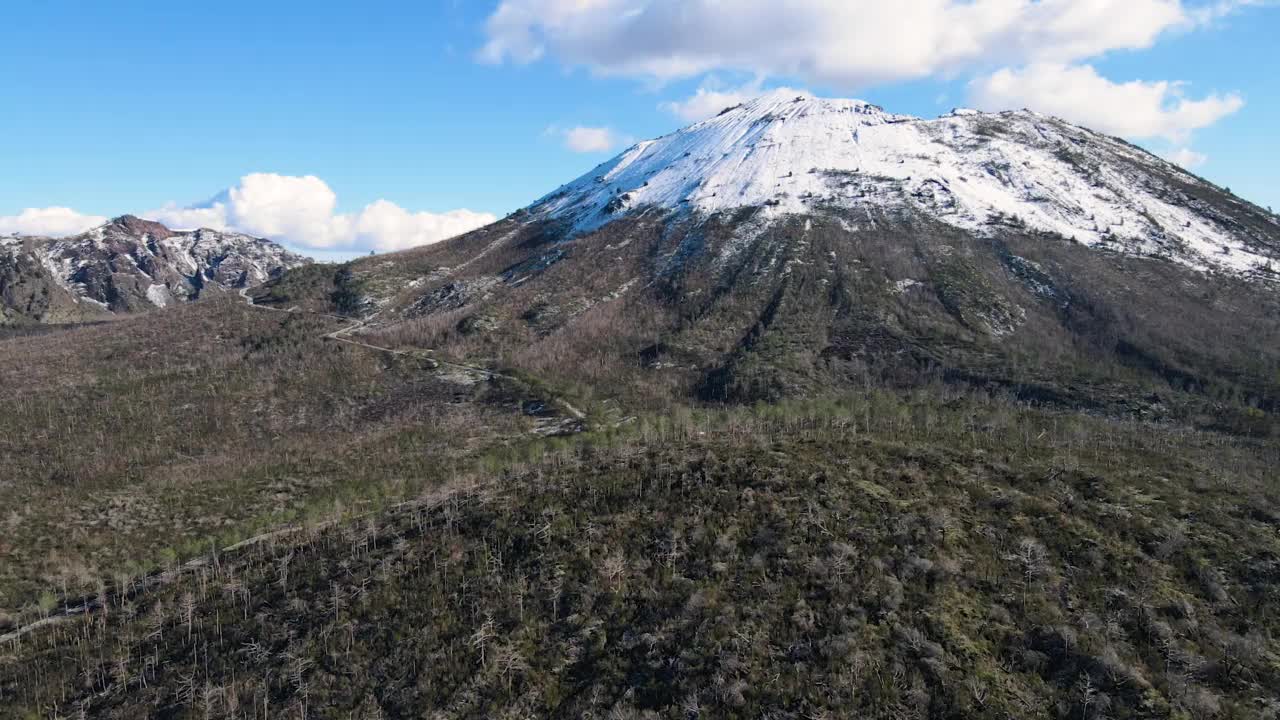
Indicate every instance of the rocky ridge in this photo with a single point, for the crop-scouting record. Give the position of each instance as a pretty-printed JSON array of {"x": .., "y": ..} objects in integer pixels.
[{"x": 128, "y": 265}]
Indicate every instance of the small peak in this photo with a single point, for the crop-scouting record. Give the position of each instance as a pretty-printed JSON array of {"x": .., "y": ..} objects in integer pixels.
[
  {"x": 782, "y": 95},
  {"x": 786, "y": 104},
  {"x": 135, "y": 225},
  {"x": 790, "y": 97}
]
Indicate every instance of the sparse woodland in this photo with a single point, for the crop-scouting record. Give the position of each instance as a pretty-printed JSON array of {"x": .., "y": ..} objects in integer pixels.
[
  {"x": 791, "y": 562},
  {"x": 1037, "y": 481}
]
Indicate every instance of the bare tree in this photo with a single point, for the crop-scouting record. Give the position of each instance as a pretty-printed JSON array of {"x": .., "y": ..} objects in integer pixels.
[
  {"x": 481, "y": 637},
  {"x": 1033, "y": 559},
  {"x": 188, "y": 607}
]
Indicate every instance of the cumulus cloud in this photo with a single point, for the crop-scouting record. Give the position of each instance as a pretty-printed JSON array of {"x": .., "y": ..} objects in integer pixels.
[
  {"x": 302, "y": 211},
  {"x": 852, "y": 44},
  {"x": 211, "y": 215},
  {"x": 711, "y": 99},
  {"x": 706, "y": 103},
  {"x": 840, "y": 43},
  {"x": 1186, "y": 157},
  {"x": 386, "y": 226},
  {"x": 591, "y": 139},
  {"x": 1079, "y": 94},
  {"x": 48, "y": 222}
]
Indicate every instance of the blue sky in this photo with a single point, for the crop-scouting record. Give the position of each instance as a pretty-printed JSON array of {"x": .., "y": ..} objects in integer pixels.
[{"x": 435, "y": 106}]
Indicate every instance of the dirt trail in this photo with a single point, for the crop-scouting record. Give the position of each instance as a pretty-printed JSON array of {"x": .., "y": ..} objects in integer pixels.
[
  {"x": 85, "y": 605},
  {"x": 343, "y": 335},
  {"x": 75, "y": 608}
]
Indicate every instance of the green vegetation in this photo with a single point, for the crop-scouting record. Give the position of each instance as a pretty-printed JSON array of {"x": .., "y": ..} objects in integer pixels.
[
  {"x": 873, "y": 557},
  {"x": 826, "y": 467},
  {"x": 204, "y": 425},
  {"x": 298, "y": 286},
  {"x": 347, "y": 297}
]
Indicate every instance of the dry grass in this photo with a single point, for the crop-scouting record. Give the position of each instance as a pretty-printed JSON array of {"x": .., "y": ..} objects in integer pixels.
[
  {"x": 878, "y": 556},
  {"x": 126, "y": 444}
]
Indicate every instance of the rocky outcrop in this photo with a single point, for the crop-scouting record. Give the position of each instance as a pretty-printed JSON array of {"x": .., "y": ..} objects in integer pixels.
[{"x": 129, "y": 265}]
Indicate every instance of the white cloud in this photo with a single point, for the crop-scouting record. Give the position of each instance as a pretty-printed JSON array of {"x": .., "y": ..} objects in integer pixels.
[
  {"x": 1186, "y": 157},
  {"x": 706, "y": 103},
  {"x": 851, "y": 44},
  {"x": 1207, "y": 14},
  {"x": 189, "y": 218},
  {"x": 840, "y": 43},
  {"x": 591, "y": 139},
  {"x": 1079, "y": 94},
  {"x": 711, "y": 99},
  {"x": 50, "y": 222},
  {"x": 294, "y": 210},
  {"x": 384, "y": 225},
  {"x": 302, "y": 211},
  {"x": 283, "y": 206}
]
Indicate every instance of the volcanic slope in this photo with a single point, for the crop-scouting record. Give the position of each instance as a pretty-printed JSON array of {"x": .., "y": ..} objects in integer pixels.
[{"x": 795, "y": 245}]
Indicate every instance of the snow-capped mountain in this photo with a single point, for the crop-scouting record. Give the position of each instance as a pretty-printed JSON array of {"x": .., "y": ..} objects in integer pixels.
[
  {"x": 129, "y": 264},
  {"x": 794, "y": 155},
  {"x": 793, "y": 244}
]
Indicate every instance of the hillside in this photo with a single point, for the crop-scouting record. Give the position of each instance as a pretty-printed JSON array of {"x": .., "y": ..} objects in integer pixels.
[
  {"x": 877, "y": 558},
  {"x": 807, "y": 411},
  {"x": 1086, "y": 272}
]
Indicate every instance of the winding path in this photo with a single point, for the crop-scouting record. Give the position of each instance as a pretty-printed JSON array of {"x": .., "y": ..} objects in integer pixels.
[
  {"x": 89, "y": 604},
  {"x": 343, "y": 335},
  {"x": 70, "y": 609}
]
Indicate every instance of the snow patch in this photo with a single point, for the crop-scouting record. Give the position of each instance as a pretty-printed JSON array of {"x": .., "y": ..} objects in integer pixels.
[
  {"x": 976, "y": 171},
  {"x": 200, "y": 257},
  {"x": 159, "y": 295},
  {"x": 622, "y": 290}
]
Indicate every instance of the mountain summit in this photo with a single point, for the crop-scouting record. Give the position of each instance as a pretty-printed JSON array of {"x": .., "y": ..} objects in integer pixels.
[
  {"x": 794, "y": 154},
  {"x": 126, "y": 265},
  {"x": 794, "y": 245}
]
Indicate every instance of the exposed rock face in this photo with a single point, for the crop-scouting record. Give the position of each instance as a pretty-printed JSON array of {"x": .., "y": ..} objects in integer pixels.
[
  {"x": 129, "y": 265},
  {"x": 29, "y": 291}
]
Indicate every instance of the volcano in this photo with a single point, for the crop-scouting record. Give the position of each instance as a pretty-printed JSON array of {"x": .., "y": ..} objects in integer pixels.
[{"x": 794, "y": 246}]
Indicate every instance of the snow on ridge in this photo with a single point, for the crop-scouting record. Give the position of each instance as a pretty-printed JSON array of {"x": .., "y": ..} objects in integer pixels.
[
  {"x": 158, "y": 295},
  {"x": 160, "y": 259},
  {"x": 791, "y": 154}
]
